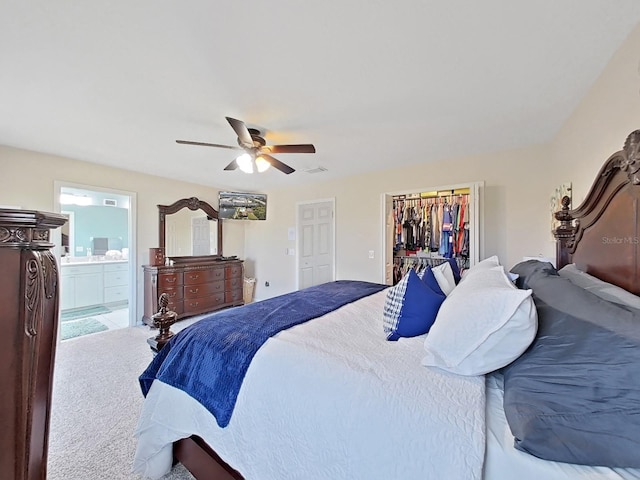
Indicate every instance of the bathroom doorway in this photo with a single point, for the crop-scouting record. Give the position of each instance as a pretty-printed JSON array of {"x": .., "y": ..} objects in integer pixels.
[{"x": 96, "y": 252}]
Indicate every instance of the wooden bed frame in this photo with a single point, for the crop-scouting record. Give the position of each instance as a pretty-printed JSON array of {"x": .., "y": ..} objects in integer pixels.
[
  {"x": 200, "y": 459},
  {"x": 601, "y": 237}
]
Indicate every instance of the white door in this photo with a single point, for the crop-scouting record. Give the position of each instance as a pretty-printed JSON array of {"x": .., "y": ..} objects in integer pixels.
[
  {"x": 316, "y": 249},
  {"x": 200, "y": 241}
]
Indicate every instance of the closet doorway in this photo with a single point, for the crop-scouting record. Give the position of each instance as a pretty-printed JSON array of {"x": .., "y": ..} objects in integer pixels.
[
  {"x": 315, "y": 226},
  {"x": 96, "y": 255},
  {"x": 389, "y": 222}
]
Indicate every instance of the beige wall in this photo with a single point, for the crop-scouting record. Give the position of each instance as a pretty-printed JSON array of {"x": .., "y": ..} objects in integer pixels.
[
  {"x": 518, "y": 185},
  {"x": 602, "y": 121},
  {"x": 516, "y": 214},
  {"x": 28, "y": 178}
]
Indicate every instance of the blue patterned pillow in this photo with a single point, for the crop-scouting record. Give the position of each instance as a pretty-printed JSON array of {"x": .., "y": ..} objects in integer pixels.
[{"x": 410, "y": 307}]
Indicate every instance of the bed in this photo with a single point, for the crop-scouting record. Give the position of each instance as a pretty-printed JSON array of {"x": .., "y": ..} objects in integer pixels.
[{"x": 542, "y": 384}]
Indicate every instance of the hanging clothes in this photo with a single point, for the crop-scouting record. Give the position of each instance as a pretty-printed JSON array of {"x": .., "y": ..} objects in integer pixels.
[
  {"x": 426, "y": 225},
  {"x": 399, "y": 214},
  {"x": 446, "y": 239},
  {"x": 437, "y": 226},
  {"x": 461, "y": 222}
]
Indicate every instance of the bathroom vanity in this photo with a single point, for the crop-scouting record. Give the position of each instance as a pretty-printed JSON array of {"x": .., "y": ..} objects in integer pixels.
[{"x": 94, "y": 283}]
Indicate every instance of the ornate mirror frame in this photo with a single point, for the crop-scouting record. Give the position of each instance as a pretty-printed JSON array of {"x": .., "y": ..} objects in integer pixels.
[{"x": 192, "y": 203}]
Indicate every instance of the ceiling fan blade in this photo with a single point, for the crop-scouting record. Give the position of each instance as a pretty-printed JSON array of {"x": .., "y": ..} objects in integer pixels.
[
  {"x": 241, "y": 130},
  {"x": 232, "y": 166},
  {"x": 304, "y": 148},
  {"x": 187, "y": 142},
  {"x": 275, "y": 163}
]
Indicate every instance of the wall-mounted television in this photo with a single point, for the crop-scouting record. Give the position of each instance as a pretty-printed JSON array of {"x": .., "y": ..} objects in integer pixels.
[{"x": 242, "y": 206}]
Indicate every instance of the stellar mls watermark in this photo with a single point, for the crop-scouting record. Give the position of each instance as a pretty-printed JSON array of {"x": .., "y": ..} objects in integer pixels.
[{"x": 620, "y": 240}]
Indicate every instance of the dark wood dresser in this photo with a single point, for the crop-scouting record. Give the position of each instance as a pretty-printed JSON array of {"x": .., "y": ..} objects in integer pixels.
[
  {"x": 29, "y": 291},
  {"x": 193, "y": 287}
]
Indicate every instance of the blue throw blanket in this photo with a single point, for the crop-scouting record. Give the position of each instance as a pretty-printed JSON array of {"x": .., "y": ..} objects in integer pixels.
[{"x": 208, "y": 360}]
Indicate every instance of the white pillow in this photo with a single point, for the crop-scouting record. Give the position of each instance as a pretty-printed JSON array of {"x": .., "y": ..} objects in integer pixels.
[
  {"x": 444, "y": 277},
  {"x": 606, "y": 291},
  {"x": 485, "y": 264},
  {"x": 484, "y": 325}
]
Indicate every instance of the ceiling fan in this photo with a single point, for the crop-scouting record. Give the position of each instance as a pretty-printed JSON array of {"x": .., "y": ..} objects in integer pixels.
[{"x": 257, "y": 154}]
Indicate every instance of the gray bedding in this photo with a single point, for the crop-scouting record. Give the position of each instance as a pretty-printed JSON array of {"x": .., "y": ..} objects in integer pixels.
[{"x": 574, "y": 395}]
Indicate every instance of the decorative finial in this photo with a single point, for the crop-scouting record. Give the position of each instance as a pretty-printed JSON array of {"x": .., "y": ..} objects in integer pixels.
[
  {"x": 631, "y": 162},
  {"x": 163, "y": 321},
  {"x": 163, "y": 301}
]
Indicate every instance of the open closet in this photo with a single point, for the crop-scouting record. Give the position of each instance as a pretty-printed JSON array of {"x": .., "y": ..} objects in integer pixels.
[{"x": 430, "y": 226}]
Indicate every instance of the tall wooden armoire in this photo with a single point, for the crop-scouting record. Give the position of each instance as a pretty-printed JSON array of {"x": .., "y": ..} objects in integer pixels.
[{"x": 29, "y": 291}]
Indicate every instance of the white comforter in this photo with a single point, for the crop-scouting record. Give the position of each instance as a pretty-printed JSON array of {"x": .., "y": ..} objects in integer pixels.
[{"x": 332, "y": 399}]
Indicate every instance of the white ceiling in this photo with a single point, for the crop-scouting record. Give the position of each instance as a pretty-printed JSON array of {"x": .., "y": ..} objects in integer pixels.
[{"x": 371, "y": 84}]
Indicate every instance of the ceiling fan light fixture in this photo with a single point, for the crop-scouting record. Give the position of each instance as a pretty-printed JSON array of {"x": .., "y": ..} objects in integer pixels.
[
  {"x": 262, "y": 164},
  {"x": 258, "y": 156},
  {"x": 245, "y": 163}
]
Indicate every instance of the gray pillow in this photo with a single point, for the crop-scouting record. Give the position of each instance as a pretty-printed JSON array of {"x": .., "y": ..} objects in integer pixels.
[
  {"x": 598, "y": 287},
  {"x": 574, "y": 395}
]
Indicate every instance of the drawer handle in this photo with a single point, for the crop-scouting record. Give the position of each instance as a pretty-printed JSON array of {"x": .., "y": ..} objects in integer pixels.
[
  {"x": 193, "y": 304},
  {"x": 194, "y": 277},
  {"x": 193, "y": 290},
  {"x": 171, "y": 280},
  {"x": 171, "y": 294}
]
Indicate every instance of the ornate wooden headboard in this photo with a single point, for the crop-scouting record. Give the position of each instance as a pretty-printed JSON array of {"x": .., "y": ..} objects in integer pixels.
[{"x": 602, "y": 235}]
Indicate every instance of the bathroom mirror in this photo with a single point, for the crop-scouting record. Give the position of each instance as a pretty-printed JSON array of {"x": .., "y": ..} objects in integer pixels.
[{"x": 189, "y": 228}]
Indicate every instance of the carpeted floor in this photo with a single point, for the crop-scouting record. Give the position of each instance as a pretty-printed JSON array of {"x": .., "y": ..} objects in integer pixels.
[{"x": 96, "y": 402}]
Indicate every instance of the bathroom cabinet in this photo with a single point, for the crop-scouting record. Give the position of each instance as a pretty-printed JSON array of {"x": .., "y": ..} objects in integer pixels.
[{"x": 94, "y": 283}]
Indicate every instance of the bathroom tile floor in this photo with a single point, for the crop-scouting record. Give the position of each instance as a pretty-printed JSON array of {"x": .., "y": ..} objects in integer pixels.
[{"x": 117, "y": 318}]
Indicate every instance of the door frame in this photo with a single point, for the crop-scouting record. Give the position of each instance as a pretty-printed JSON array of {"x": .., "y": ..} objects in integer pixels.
[
  {"x": 477, "y": 214},
  {"x": 331, "y": 200},
  {"x": 72, "y": 230},
  {"x": 58, "y": 185}
]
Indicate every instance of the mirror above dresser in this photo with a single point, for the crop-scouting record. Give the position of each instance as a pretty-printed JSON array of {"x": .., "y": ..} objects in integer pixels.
[
  {"x": 196, "y": 278},
  {"x": 189, "y": 227}
]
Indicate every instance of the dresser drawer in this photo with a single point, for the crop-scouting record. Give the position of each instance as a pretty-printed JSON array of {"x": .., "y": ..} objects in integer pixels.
[
  {"x": 233, "y": 296},
  {"x": 166, "y": 280},
  {"x": 234, "y": 271},
  {"x": 193, "y": 287},
  {"x": 176, "y": 306},
  {"x": 196, "y": 277},
  {"x": 203, "y": 289},
  {"x": 174, "y": 293},
  {"x": 202, "y": 304},
  {"x": 232, "y": 283}
]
